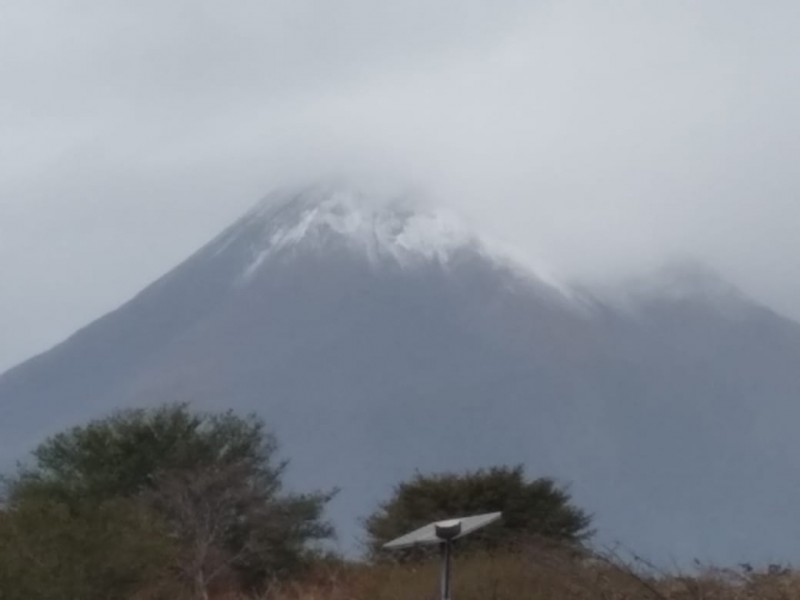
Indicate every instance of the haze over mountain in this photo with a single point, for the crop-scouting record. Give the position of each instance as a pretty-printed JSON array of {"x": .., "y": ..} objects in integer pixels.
[{"x": 378, "y": 337}]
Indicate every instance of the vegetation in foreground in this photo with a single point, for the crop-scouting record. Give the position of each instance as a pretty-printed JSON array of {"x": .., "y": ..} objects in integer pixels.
[
  {"x": 538, "y": 571},
  {"x": 537, "y": 508},
  {"x": 168, "y": 499},
  {"x": 173, "y": 504}
]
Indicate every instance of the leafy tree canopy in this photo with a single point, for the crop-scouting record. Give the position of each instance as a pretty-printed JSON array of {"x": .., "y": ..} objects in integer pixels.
[
  {"x": 530, "y": 508},
  {"x": 122, "y": 455},
  {"x": 212, "y": 481}
]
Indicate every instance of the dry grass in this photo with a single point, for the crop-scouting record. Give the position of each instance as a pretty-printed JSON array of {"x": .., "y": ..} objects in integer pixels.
[{"x": 534, "y": 574}]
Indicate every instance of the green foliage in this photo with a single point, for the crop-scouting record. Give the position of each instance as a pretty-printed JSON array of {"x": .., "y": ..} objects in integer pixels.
[
  {"x": 211, "y": 482},
  {"x": 537, "y": 508},
  {"x": 120, "y": 456},
  {"x": 48, "y": 551}
]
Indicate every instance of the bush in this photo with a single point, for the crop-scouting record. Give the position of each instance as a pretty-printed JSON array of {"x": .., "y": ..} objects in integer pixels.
[
  {"x": 537, "y": 508},
  {"x": 49, "y": 551}
]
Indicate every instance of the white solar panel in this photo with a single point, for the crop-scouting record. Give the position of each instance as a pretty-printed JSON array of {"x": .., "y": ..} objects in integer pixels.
[{"x": 427, "y": 535}]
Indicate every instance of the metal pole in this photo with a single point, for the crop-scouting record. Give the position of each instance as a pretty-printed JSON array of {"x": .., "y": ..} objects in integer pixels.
[{"x": 446, "y": 548}]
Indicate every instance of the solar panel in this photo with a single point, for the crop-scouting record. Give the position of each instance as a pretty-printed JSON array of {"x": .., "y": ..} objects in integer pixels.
[{"x": 427, "y": 535}]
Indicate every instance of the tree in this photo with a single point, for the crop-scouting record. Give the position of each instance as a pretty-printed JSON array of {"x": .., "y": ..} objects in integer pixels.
[
  {"x": 121, "y": 455},
  {"x": 225, "y": 524},
  {"x": 530, "y": 508},
  {"x": 212, "y": 479},
  {"x": 50, "y": 552}
]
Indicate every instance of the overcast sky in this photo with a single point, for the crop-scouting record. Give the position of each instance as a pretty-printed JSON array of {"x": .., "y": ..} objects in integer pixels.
[{"x": 600, "y": 138}]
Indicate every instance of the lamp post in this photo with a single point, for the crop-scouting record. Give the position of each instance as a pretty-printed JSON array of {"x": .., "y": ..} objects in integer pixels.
[{"x": 443, "y": 533}]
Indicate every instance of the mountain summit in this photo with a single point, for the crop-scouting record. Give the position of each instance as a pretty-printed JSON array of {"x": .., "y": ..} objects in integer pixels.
[
  {"x": 320, "y": 217},
  {"x": 378, "y": 337}
]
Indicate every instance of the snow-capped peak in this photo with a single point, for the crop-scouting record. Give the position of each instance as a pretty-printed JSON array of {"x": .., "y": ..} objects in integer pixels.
[
  {"x": 405, "y": 229},
  {"x": 391, "y": 226}
]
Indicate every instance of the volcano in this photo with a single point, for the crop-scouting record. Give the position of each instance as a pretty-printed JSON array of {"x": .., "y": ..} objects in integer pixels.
[{"x": 378, "y": 337}]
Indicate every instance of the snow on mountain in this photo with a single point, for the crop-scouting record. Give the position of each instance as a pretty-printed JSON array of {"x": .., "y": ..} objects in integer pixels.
[
  {"x": 388, "y": 228},
  {"x": 401, "y": 228}
]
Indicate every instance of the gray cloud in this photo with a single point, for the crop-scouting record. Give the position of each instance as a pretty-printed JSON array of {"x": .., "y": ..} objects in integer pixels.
[{"x": 597, "y": 138}]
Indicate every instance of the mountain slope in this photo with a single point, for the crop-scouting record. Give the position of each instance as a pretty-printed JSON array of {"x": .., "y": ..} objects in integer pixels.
[{"x": 380, "y": 338}]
